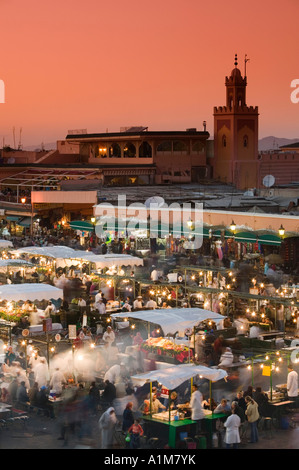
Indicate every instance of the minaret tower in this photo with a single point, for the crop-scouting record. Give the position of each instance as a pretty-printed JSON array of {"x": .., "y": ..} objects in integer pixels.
[{"x": 236, "y": 134}]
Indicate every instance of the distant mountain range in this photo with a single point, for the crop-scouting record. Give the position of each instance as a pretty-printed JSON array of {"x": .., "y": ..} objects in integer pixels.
[
  {"x": 267, "y": 143},
  {"x": 49, "y": 146},
  {"x": 273, "y": 143}
]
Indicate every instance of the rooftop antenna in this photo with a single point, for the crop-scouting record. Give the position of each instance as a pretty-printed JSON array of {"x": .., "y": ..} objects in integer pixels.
[
  {"x": 245, "y": 62},
  {"x": 20, "y": 140}
]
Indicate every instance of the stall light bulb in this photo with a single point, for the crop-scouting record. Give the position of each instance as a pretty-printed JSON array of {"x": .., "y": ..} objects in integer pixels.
[
  {"x": 267, "y": 357},
  {"x": 80, "y": 358},
  {"x": 277, "y": 369},
  {"x": 249, "y": 367},
  {"x": 262, "y": 366},
  {"x": 92, "y": 345}
]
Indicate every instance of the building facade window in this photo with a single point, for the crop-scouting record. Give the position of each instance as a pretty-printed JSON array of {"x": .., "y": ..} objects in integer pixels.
[
  {"x": 129, "y": 150},
  {"x": 145, "y": 150},
  {"x": 114, "y": 151}
]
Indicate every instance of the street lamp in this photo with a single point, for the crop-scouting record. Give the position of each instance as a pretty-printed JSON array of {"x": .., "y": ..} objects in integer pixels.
[
  {"x": 23, "y": 200},
  {"x": 190, "y": 224},
  {"x": 281, "y": 231},
  {"x": 233, "y": 226},
  {"x": 93, "y": 221}
]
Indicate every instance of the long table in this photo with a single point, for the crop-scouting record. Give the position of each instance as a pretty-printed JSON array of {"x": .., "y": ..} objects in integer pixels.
[
  {"x": 181, "y": 425},
  {"x": 173, "y": 427}
]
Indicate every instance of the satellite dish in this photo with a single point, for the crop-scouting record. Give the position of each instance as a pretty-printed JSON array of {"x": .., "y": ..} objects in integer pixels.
[
  {"x": 11, "y": 161},
  {"x": 159, "y": 201},
  {"x": 268, "y": 181}
]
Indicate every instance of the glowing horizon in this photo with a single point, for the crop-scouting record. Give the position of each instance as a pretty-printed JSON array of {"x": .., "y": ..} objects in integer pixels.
[{"x": 102, "y": 66}]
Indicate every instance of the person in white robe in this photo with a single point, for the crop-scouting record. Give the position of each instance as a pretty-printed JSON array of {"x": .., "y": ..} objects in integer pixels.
[
  {"x": 57, "y": 381},
  {"x": 107, "y": 423},
  {"x": 41, "y": 373},
  {"x": 232, "y": 434}
]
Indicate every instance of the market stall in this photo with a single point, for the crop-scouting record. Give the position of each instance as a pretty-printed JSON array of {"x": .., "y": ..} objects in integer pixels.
[
  {"x": 171, "y": 378},
  {"x": 10, "y": 296},
  {"x": 170, "y": 331},
  {"x": 172, "y": 321},
  {"x": 112, "y": 262}
]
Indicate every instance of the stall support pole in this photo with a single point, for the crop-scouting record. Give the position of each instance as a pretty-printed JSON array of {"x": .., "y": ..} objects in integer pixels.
[
  {"x": 169, "y": 414},
  {"x": 210, "y": 389},
  {"x": 151, "y": 397},
  {"x": 48, "y": 352},
  {"x": 252, "y": 372},
  {"x": 271, "y": 384}
]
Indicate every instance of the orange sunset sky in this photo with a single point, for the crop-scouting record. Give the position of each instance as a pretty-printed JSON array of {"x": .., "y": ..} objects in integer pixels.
[{"x": 95, "y": 65}]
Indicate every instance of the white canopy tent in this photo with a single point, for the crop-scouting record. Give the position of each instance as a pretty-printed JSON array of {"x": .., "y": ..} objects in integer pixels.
[
  {"x": 108, "y": 260},
  {"x": 32, "y": 292},
  {"x": 47, "y": 251},
  {"x": 100, "y": 261},
  {"x": 5, "y": 244},
  {"x": 173, "y": 320},
  {"x": 174, "y": 376},
  {"x": 14, "y": 264}
]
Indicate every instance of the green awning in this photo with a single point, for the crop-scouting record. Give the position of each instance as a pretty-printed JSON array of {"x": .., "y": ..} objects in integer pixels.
[
  {"x": 82, "y": 225},
  {"x": 269, "y": 239},
  {"x": 25, "y": 222},
  {"x": 13, "y": 218},
  {"x": 220, "y": 233},
  {"x": 246, "y": 237}
]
